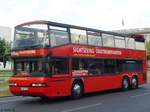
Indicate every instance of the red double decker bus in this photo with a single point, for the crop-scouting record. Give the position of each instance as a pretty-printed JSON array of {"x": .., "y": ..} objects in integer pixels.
[{"x": 54, "y": 59}]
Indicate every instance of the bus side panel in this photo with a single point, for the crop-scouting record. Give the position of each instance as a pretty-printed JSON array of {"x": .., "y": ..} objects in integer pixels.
[
  {"x": 60, "y": 86},
  {"x": 99, "y": 83}
]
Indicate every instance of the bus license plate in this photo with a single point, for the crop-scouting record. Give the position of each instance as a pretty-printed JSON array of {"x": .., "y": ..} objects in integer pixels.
[{"x": 24, "y": 88}]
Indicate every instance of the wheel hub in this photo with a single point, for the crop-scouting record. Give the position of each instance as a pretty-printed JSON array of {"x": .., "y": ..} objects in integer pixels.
[
  {"x": 125, "y": 83},
  {"x": 77, "y": 89},
  {"x": 134, "y": 82}
]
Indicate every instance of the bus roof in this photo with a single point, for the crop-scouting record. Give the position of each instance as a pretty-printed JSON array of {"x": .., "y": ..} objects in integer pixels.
[{"x": 32, "y": 22}]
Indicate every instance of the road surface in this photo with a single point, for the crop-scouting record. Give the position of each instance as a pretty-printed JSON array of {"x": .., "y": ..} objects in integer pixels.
[{"x": 109, "y": 101}]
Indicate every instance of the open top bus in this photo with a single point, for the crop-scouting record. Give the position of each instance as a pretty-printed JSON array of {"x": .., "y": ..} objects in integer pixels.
[{"x": 53, "y": 59}]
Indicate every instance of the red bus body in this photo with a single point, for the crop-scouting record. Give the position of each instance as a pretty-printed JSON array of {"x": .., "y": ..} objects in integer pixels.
[{"x": 61, "y": 85}]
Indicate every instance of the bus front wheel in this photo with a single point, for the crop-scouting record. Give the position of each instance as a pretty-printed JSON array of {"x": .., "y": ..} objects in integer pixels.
[{"x": 77, "y": 90}]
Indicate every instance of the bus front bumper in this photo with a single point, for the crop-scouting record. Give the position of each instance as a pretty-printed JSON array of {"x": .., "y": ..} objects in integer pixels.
[{"x": 30, "y": 91}]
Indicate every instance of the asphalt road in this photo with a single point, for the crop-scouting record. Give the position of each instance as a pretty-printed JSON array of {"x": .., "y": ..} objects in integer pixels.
[{"x": 109, "y": 101}]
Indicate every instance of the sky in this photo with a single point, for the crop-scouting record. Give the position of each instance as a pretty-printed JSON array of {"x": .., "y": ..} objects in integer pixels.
[{"x": 98, "y": 14}]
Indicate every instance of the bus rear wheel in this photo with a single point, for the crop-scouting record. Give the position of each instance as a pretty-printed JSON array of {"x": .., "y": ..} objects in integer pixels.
[
  {"x": 125, "y": 83},
  {"x": 134, "y": 83},
  {"x": 77, "y": 90}
]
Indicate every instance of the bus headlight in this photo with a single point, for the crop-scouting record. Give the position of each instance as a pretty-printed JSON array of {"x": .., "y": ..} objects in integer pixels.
[
  {"x": 38, "y": 85},
  {"x": 12, "y": 84}
]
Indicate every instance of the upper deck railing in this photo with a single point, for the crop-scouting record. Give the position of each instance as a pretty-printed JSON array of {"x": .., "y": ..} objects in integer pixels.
[{"x": 58, "y": 34}]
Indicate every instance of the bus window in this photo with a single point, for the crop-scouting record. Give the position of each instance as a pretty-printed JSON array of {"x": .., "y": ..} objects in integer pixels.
[
  {"x": 108, "y": 40},
  {"x": 109, "y": 66},
  {"x": 58, "y": 37},
  {"x": 140, "y": 45},
  {"x": 79, "y": 64},
  {"x": 119, "y": 42},
  {"x": 94, "y": 39},
  {"x": 31, "y": 36},
  {"x": 129, "y": 66},
  {"x": 59, "y": 66},
  {"x": 95, "y": 67},
  {"x": 29, "y": 68},
  {"x": 130, "y": 43},
  {"x": 79, "y": 67},
  {"x": 78, "y": 36}
]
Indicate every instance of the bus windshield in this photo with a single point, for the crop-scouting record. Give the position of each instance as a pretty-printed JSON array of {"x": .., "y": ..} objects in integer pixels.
[
  {"x": 29, "y": 68},
  {"x": 31, "y": 36}
]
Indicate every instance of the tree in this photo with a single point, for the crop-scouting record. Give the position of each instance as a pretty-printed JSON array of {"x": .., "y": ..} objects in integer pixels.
[{"x": 5, "y": 49}]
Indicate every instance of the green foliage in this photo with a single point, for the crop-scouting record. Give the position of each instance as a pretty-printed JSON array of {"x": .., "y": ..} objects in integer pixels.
[
  {"x": 5, "y": 49},
  {"x": 148, "y": 49},
  {"x": 6, "y": 73}
]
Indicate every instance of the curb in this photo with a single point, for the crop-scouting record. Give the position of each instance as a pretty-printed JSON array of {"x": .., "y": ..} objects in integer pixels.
[{"x": 5, "y": 96}]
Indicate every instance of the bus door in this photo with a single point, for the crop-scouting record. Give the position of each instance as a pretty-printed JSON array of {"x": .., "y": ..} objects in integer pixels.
[{"x": 59, "y": 70}]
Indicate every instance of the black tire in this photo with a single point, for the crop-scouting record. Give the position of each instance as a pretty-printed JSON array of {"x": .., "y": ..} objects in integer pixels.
[
  {"x": 134, "y": 83},
  {"x": 77, "y": 90},
  {"x": 125, "y": 84}
]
